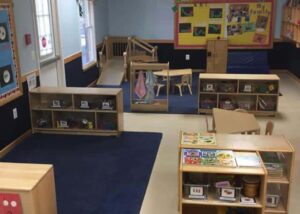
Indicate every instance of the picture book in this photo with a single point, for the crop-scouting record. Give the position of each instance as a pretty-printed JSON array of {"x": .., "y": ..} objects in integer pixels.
[
  {"x": 191, "y": 156},
  {"x": 208, "y": 157},
  {"x": 207, "y": 139},
  {"x": 225, "y": 158},
  {"x": 194, "y": 138},
  {"x": 189, "y": 138},
  {"x": 247, "y": 159}
]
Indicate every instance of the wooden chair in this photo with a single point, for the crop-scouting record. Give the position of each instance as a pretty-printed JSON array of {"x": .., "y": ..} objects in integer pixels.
[
  {"x": 269, "y": 128},
  {"x": 185, "y": 81},
  {"x": 241, "y": 110},
  {"x": 159, "y": 85}
]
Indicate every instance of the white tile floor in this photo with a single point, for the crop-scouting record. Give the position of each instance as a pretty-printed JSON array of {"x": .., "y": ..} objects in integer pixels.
[{"x": 161, "y": 195}]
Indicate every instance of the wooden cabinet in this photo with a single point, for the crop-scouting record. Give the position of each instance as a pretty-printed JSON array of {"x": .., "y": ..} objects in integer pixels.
[
  {"x": 290, "y": 28},
  {"x": 256, "y": 93},
  {"x": 216, "y": 56},
  {"x": 70, "y": 110},
  {"x": 259, "y": 144},
  {"x": 34, "y": 183}
]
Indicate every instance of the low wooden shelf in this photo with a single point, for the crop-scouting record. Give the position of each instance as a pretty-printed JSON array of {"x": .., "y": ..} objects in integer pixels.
[
  {"x": 257, "y": 93},
  {"x": 247, "y": 143},
  {"x": 98, "y": 121}
]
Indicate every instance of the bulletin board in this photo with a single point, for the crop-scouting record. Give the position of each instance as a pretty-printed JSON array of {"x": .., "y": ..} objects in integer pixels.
[
  {"x": 10, "y": 80},
  {"x": 244, "y": 23}
]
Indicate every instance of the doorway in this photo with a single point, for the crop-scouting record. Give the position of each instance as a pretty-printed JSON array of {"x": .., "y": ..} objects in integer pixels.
[{"x": 48, "y": 38}]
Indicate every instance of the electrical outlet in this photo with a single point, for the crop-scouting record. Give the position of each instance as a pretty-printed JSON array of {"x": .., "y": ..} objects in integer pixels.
[
  {"x": 15, "y": 113},
  {"x": 187, "y": 57}
]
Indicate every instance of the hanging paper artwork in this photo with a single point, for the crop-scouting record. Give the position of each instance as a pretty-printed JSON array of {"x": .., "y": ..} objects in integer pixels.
[{"x": 9, "y": 66}]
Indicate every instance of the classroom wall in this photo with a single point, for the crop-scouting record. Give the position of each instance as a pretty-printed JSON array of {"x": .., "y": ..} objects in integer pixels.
[
  {"x": 153, "y": 19},
  {"x": 24, "y": 24},
  {"x": 146, "y": 19},
  {"x": 101, "y": 19}
]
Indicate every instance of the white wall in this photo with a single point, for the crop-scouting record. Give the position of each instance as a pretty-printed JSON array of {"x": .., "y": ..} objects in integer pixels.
[
  {"x": 23, "y": 13},
  {"x": 68, "y": 13},
  {"x": 101, "y": 19},
  {"x": 148, "y": 19}
]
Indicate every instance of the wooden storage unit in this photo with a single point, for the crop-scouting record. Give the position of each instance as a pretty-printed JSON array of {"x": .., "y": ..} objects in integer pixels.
[
  {"x": 70, "y": 110},
  {"x": 245, "y": 143},
  {"x": 216, "y": 56},
  {"x": 257, "y": 93},
  {"x": 34, "y": 183},
  {"x": 159, "y": 104},
  {"x": 290, "y": 28}
]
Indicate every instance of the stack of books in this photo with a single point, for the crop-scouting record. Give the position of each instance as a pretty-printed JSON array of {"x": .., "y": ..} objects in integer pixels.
[{"x": 247, "y": 159}]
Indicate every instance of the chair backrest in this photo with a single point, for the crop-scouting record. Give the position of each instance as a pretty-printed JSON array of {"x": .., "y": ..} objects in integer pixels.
[
  {"x": 185, "y": 79},
  {"x": 269, "y": 128},
  {"x": 207, "y": 126},
  {"x": 241, "y": 110}
]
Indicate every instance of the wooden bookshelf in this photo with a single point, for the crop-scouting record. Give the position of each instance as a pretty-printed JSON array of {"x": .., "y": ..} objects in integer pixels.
[
  {"x": 71, "y": 110},
  {"x": 247, "y": 143},
  {"x": 257, "y": 93},
  {"x": 290, "y": 27}
]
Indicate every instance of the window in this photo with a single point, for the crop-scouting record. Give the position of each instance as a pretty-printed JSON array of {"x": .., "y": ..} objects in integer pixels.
[
  {"x": 87, "y": 32},
  {"x": 45, "y": 29}
]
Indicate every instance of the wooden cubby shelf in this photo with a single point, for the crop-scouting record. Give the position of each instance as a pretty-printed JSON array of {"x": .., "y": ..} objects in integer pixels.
[
  {"x": 71, "y": 110},
  {"x": 290, "y": 27},
  {"x": 256, "y": 93},
  {"x": 199, "y": 171}
]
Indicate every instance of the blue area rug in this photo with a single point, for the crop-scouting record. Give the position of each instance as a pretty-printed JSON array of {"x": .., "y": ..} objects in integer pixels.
[
  {"x": 94, "y": 175},
  {"x": 187, "y": 104}
]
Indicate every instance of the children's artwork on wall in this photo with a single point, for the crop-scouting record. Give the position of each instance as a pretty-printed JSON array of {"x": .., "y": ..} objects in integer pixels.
[
  {"x": 187, "y": 11},
  {"x": 10, "y": 82},
  {"x": 185, "y": 28},
  {"x": 214, "y": 28},
  {"x": 216, "y": 13},
  {"x": 245, "y": 25},
  {"x": 199, "y": 31}
]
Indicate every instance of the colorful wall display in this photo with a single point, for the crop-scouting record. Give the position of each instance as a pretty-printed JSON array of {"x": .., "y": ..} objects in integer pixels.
[
  {"x": 9, "y": 66},
  {"x": 245, "y": 23}
]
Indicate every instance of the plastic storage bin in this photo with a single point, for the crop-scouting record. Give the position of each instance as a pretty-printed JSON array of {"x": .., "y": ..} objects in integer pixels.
[{"x": 196, "y": 191}]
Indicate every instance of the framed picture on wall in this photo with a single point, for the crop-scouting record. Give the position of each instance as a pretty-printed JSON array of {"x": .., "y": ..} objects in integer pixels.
[{"x": 10, "y": 79}]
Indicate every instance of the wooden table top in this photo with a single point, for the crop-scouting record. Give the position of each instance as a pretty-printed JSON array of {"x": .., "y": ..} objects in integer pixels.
[
  {"x": 174, "y": 72},
  {"x": 20, "y": 176},
  {"x": 232, "y": 122}
]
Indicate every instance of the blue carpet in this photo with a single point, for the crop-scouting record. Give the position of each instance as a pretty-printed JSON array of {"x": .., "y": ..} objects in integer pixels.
[
  {"x": 94, "y": 175},
  {"x": 187, "y": 104}
]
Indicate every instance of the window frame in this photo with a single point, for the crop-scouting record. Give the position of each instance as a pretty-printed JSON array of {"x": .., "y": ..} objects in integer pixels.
[{"x": 90, "y": 36}]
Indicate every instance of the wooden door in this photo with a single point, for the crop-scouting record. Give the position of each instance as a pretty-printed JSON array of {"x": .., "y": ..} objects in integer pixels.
[{"x": 217, "y": 56}]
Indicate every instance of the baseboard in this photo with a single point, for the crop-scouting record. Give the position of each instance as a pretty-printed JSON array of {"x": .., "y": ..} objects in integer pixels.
[
  {"x": 16, "y": 142},
  {"x": 72, "y": 57},
  {"x": 93, "y": 84}
]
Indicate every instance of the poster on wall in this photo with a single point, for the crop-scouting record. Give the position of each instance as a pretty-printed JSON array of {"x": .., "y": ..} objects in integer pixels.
[
  {"x": 245, "y": 24},
  {"x": 9, "y": 65}
]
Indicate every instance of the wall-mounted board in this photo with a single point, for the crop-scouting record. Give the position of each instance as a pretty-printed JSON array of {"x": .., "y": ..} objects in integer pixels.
[
  {"x": 10, "y": 80},
  {"x": 244, "y": 23}
]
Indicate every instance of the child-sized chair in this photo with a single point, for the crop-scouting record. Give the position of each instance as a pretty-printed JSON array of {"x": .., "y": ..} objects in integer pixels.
[
  {"x": 185, "y": 81},
  {"x": 269, "y": 128}
]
